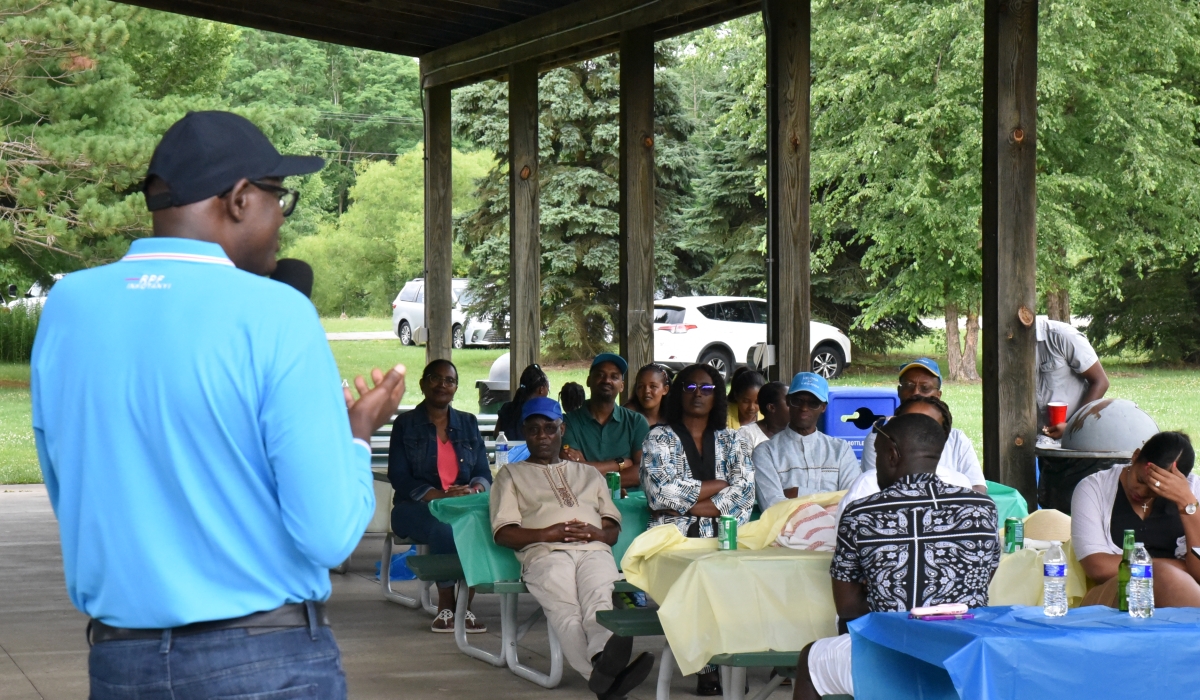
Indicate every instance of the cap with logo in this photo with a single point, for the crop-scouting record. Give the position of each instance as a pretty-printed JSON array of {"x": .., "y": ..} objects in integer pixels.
[
  {"x": 613, "y": 358},
  {"x": 811, "y": 382},
  {"x": 541, "y": 406},
  {"x": 206, "y": 153},
  {"x": 926, "y": 364}
]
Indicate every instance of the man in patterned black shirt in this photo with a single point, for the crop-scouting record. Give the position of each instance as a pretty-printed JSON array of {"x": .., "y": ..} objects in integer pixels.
[{"x": 918, "y": 542}]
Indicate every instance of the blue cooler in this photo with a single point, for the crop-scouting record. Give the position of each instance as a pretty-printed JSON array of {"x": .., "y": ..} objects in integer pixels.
[{"x": 844, "y": 403}]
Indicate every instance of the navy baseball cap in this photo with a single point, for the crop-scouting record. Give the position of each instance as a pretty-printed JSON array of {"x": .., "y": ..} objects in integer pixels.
[
  {"x": 541, "y": 406},
  {"x": 613, "y": 358},
  {"x": 811, "y": 382},
  {"x": 206, "y": 153},
  {"x": 924, "y": 363}
]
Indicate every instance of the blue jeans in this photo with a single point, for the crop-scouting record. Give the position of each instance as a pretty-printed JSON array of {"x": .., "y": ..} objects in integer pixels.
[
  {"x": 237, "y": 664},
  {"x": 413, "y": 520}
]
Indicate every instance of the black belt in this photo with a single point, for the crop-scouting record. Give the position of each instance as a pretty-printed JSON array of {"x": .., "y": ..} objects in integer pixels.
[{"x": 283, "y": 617}]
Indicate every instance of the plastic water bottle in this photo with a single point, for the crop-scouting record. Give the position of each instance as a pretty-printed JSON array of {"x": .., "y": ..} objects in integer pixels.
[
  {"x": 1141, "y": 583},
  {"x": 1054, "y": 581},
  {"x": 501, "y": 450}
]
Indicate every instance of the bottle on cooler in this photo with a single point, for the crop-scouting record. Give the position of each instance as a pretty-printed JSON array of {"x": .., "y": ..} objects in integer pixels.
[
  {"x": 1141, "y": 583},
  {"x": 1123, "y": 572},
  {"x": 501, "y": 450},
  {"x": 1054, "y": 581}
]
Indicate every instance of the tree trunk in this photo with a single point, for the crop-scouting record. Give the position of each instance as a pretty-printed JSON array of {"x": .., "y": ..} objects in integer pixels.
[
  {"x": 971, "y": 348},
  {"x": 1058, "y": 305},
  {"x": 953, "y": 349}
]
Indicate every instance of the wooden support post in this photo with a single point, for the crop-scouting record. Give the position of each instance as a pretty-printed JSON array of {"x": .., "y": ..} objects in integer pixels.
[
  {"x": 637, "y": 200},
  {"x": 525, "y": 250},
  {"x": 788, "y": 25},
  {"x": 439, "y": 263},
  {"x": 1009, "y": 242}
]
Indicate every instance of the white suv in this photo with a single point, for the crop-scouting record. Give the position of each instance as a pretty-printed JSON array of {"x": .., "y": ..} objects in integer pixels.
[
  {"x": 408, "y": 317},
  {"x": 723, "y": 332}
]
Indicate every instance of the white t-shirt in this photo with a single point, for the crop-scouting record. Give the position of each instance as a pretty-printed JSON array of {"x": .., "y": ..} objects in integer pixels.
[
  {"x": 1091, "y": 513},
  {"x": 1063, "y": 353},
  {"x": 957, "y": 456},
  {"x": 868, "y": 483},
  {"x": 754, "y": 435}
]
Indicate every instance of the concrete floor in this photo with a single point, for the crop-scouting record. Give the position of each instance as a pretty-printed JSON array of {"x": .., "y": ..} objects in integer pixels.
[{"x": 387, "y": 650}]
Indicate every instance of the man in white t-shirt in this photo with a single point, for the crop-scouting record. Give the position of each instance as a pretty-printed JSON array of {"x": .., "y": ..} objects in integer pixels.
[
  {"x": 772, "y": 403},
  {"x": 868, "y": 483},
  {"x": 1067, "y": 371},
  {"x": 923, "y": 377}
]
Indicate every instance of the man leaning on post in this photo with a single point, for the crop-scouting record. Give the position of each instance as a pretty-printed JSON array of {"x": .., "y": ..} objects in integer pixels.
[{"x": 204, "y": 465}]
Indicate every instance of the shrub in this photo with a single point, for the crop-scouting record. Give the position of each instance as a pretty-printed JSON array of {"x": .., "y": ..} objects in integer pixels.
[{"x": 17, "y": 330}]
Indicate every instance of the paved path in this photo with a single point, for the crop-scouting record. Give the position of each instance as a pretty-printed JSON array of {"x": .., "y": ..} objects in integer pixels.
[
  {"x": 387, "y": 650},
  {"x": 362, "y": 335}
]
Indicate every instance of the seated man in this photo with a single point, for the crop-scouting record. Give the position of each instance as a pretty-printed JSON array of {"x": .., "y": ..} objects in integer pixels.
[
  {"x": 918, "y": 542},
  {"x": 601, "y": 433},
  {"x": 560, "y": 518},
  {"x": 800, "y": 460}
]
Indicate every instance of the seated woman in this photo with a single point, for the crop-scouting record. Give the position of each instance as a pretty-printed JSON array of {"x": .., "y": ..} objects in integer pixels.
[
  {"x": 508, "y": 419},
  {"x": 436, "y": 452},
  {"x": 1157, "y": 497},
  {"x": 695, "y": 470},
  {"x": 650, "y": 387}
]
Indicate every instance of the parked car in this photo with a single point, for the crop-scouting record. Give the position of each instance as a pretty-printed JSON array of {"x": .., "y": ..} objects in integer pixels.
[
  {"x": 723, "y": 332},
  {"x": 408, "y": 317},
  {"x": 35, "y": 298}
]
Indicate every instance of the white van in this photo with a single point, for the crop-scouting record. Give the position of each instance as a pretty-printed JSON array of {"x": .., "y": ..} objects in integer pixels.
[{"x": 408, "y": 317}]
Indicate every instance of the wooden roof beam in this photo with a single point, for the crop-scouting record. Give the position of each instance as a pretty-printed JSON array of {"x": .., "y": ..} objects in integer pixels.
[{"x": 581, "y": 30}]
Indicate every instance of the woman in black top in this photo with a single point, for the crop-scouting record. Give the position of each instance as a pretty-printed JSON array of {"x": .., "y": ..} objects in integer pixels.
[{"x": 508, "y": 420}]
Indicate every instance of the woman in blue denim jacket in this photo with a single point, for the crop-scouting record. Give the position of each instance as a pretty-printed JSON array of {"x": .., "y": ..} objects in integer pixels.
[{"x": 436, "y": 452}]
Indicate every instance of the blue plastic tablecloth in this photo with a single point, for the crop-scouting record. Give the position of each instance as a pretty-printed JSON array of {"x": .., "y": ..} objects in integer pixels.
[{"x": 1017, "y": 652}]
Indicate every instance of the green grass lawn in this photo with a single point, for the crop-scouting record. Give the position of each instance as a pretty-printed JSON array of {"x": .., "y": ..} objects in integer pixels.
[
  {"x": 348, "y": 325},
  {"x": 1170, "y": 396}
]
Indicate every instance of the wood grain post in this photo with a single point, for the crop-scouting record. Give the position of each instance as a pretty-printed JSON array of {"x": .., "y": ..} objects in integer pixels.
[
  {"x": 788, "y": 25},
  {"x": 637, "y": 200},
  {"x": 1009, "y": 242},
  {"x": 439, "y": 264},
  {"x": 525, "y": 250}
]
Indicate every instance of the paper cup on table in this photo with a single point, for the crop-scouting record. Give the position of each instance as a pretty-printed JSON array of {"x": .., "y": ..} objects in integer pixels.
[{"x": 1056, "y": 412}]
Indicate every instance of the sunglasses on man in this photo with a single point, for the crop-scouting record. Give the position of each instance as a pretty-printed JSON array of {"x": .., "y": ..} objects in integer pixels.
[{"x": 877, "y": 427}]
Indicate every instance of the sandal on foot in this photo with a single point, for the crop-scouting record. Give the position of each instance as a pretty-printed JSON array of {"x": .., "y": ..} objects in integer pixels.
[
  {"x": 444, "y": 622},
  {"x": 473, "y": 625}
]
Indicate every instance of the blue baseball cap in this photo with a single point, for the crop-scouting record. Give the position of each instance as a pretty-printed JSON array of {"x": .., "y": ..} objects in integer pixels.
[
  {"x": 811, "y": 382},
  {"x": 924, "y": 363},
  {"x": 613, "y": 358},
  {"x": 541, "y": 406}
]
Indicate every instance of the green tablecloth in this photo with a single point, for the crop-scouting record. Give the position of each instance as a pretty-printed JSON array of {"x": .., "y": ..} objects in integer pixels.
[
  {"x": 1009, "y": 502},
  {"x": 484, "y": 561}
]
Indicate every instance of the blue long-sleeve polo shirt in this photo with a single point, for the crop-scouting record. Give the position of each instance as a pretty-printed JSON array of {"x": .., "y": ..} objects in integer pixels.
[{"x": 193, "y": 438}]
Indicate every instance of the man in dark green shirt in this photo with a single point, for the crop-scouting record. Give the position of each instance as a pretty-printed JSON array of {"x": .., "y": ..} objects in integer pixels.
[{"x": 601, "y": 433}]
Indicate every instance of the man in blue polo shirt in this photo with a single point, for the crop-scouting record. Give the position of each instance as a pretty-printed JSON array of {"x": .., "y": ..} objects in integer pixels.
[{"x": 204, "y": 465}]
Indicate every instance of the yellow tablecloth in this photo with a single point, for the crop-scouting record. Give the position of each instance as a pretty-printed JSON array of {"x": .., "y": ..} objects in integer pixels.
[{"x": 762, "y": 598}]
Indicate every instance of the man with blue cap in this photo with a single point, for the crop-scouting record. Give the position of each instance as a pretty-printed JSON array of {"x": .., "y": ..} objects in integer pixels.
[
  {"x": 601, "y": 433},
  {"x": 560, "y": 517},
  {"x": 923, "y": 377},
  {"x": 799, "y": 460}
]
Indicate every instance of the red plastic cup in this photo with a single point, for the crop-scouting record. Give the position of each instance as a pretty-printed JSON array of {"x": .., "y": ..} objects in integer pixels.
[{"x": 1056, "y": 412}]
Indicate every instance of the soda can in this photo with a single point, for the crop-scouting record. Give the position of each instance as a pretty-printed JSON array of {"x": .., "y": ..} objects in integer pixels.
[
  {"x": 727, "y": 532},
  {"x": 614, "y": 484},
  {"x": 1014, "y": 535}
]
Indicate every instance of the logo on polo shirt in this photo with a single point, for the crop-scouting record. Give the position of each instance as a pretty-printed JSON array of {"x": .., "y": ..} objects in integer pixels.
[{"x": 147, "y": 282}]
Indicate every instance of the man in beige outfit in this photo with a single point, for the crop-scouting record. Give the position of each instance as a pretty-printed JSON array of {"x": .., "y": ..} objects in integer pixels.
[{"x": 559, "y": 516}]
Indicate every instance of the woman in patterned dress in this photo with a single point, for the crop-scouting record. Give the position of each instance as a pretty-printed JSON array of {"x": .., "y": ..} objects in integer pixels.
[{"x": 695, "y": 469}]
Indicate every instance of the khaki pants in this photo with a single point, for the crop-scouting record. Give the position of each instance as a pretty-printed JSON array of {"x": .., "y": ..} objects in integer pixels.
[{"x": 571, "y": 585}]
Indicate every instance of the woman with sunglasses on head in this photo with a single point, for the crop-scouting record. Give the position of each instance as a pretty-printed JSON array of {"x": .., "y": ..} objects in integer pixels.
[
  {"x": 508, "y": 419},
  {"x": 651, "y": 385},
  {"x": 436, "y": 452},
  {"x": 695, "y": 469},
  {"x": 1157, "y": 497}
]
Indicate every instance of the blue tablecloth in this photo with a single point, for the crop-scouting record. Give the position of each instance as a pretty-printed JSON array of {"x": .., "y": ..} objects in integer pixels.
[{"x": 1010, "y": 653}]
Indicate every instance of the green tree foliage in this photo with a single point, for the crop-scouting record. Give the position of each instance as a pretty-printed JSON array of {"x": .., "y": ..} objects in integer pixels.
[
  {"x": 579, "y": 195},
  {"x": 363, "y": 259},
  {"x": 1156, "y": 314}
]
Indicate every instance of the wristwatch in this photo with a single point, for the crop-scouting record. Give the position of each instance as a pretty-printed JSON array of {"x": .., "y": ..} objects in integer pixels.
[
  {"x": 1190, "y": 508},
  {"x": 621, "y": 465}
]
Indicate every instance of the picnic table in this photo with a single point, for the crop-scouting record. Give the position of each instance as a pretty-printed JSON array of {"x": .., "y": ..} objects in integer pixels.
[{"x": 1018, "y": 652}]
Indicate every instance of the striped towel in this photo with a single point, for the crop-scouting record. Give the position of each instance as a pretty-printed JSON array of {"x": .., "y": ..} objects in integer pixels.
[{"x": 811, "y": 528}]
